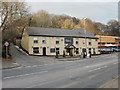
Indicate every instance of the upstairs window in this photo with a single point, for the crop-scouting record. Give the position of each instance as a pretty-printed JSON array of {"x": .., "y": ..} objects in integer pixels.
[
  {"x": 43, "y": 40},
  {"x": 76, "y": 41},
  {"x": 35, "y": 40},
  {"x": 57, "y": 40},
  {"x": 90, "y": 42}
]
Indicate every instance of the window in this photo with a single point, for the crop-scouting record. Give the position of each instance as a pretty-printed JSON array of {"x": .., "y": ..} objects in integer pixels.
[
  {"x": 94, "y": 51},
  {"x": 44, "y": 40},
  {"x": 89, "y": 42},
  {"x": 96, "y": 39},
  {"x": 35, "y": 40},
  {"x": 90, "y": 50},
  {"x": 57, "y": 40},
  {"x": 57, "y": 50},
  {"x": 35, "y": 49},
  {"x": 76, "y": 41},
  {"x": 77, "y": 50},
  {"x": 52, "y": 50},
  {"x": 84, "y": 50}
]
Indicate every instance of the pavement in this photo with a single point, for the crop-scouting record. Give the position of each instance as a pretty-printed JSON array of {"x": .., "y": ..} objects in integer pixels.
[
  {"x": 111, "y": 84},
  {"x": 20, "y": 59},
  {"x": 87, "y": 73},
  {"x": 9, "y": 64}
]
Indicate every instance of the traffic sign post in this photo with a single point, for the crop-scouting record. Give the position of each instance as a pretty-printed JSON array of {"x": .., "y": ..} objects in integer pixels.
[{"x": 6, "y": 45}]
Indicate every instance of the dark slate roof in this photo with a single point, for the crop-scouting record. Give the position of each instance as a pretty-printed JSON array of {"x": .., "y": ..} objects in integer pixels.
[
  {"x": 38, "y": 31},
  {"x": 68, "y": 46}
]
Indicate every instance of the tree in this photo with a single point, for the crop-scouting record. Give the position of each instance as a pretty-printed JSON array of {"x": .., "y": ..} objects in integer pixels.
[
  {"x": 100, "y": 27},
  {"x": 41, "y": 19},
  {"x": 68, "y": 24},
  {"x": 11, "y": 12},
  {"x": 14, "y": 18},
  {"x": 113, "y": 27}
]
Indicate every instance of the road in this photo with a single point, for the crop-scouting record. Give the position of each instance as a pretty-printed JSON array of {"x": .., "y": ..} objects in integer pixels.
[
  {"x": 87, "y": 73},
  {"x": 27, "y": 60}
]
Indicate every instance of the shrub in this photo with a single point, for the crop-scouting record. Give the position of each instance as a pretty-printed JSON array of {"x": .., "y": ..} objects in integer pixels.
[{"x": 56, "y": 54}]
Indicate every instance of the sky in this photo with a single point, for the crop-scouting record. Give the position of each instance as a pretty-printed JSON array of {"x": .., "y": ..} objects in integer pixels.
[{"x": 96, "y": 10}]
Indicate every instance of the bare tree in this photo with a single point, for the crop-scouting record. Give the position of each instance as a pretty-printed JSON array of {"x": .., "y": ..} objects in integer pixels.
[
  {"x": 11, "y": 12},
  {"x": 14, "y": 17},
  {"x": 113, "y": 27}
]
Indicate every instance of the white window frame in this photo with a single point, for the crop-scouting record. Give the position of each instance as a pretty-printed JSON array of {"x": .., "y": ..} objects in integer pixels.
[
  {"x": 35, "y": 39},
  {"x": 44, "y": 39}
]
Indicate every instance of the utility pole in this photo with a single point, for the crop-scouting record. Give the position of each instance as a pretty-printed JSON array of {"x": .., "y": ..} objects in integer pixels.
[
  {"x": 100, "y": 40},
  {"x": 85, "y": 35}
]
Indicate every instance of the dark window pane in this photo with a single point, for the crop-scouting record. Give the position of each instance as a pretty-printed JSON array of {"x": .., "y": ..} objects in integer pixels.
[
  {"x": 57, "y": 50},
  {"x": 44, "y": 41},
  {"x": 52, "y": 50},
  {"x": 35, "y": 41},
  {"x": 76, "y": 42},
  {"x": 36, "y": 50},
  {"x": 77, "y": 50},
  {"x": 57, "y": 42}
]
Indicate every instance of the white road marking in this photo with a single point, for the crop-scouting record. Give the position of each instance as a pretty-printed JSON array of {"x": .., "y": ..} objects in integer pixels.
[
  {"x": 24, "y": 75},
  {"x": 33, "y": 66},
  {"x": 23, "y": 67},
  {"x": 105, "y": 66},
  {"x": 94, "y": 69},
  {"x": 115, "y": 63}
]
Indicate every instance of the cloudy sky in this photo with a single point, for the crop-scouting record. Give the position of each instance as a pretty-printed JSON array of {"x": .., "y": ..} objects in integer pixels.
[{"x": 99, "y": 11}]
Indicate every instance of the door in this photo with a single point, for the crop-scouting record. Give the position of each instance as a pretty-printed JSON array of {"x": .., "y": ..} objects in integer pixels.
[{"x": 44, "y": 51}]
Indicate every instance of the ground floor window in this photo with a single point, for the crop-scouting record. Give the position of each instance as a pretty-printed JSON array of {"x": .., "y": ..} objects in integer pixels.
[
  {"x": 52, "y": 50},
  {"x": 35, "y": 49},
  {"x": 77, "y": 50},
  {"x": 58, "y": 50},
  {"x": 84, "y": 50}
]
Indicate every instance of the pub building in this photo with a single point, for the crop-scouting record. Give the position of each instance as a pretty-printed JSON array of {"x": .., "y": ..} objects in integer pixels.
[{"x": 48, "y": 41}]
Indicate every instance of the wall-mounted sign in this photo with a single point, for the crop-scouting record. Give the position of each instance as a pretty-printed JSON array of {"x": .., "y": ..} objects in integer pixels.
[{"x": 68, "y": 40}]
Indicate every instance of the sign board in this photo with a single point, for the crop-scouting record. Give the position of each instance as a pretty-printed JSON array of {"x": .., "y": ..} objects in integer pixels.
[
  {"x": 68, "y": 40},
  {"x": 6, "y": 44}
]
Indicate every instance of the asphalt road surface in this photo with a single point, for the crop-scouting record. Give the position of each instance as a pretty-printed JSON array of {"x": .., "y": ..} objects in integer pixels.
[
  {"x": 27, "y": 60},
  {"x": 87, "y": 73}
]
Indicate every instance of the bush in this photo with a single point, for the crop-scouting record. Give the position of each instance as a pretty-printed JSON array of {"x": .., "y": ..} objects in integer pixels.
[{"x": 56, "y": 54}]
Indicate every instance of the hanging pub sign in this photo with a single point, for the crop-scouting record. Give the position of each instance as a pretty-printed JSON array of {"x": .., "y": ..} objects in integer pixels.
[{"x": 68, "y": 40}]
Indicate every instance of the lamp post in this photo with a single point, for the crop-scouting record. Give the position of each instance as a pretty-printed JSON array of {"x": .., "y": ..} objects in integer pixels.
[
  {"x": 100, "y": 40},
  {"x": 85, "y": 35},
  {"x": 101, "y": 31}
]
